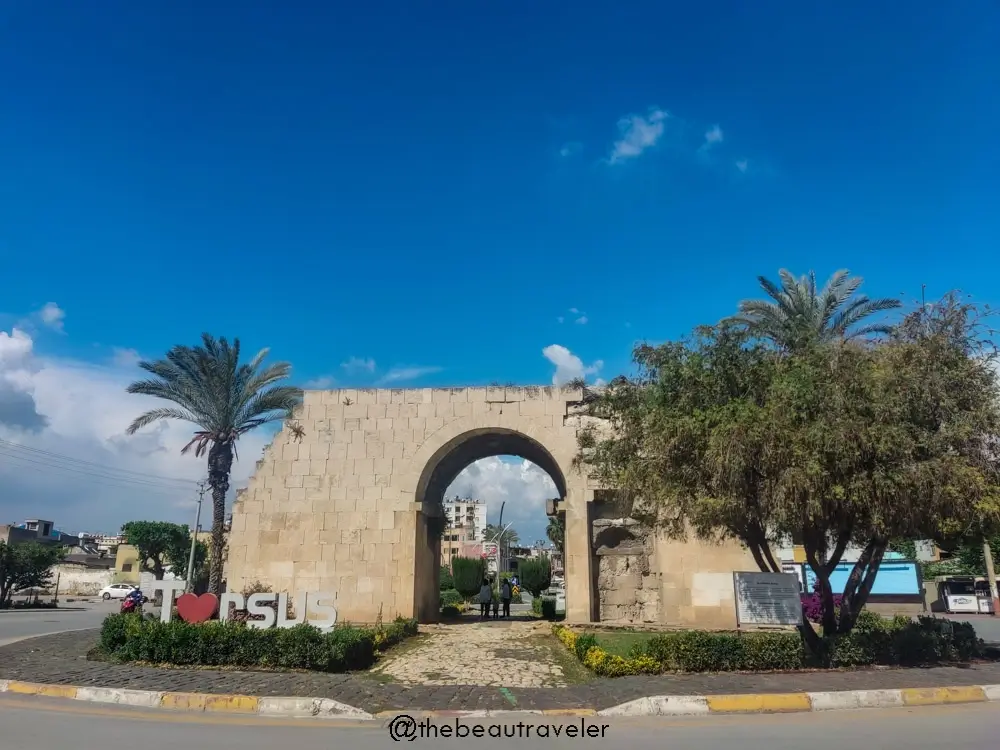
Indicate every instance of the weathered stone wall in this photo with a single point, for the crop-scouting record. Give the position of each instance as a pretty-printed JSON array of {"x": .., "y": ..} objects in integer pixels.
[
  {"x": 344, "y": 508},
  {"x": 628, "y": 587}
]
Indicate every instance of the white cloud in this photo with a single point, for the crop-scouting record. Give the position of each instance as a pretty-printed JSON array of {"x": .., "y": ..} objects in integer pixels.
[
  {"x": 582, "y": 320},
  {"x": 742, "y": 165},
  {"x": 713, "y": 136},
  {"x": 399, "y": 374},
  {"x": 638, "y": 133},
  {"x": 520, "y": 484},
  {"x": 568, "y": 366},
  {"x": 76, "y": 414},
  {"x": 319, "y": 384},
  {"x": 357, "y": 365},
  {"x": 560, "y": 319},
  {"x": 125, "y": 357},
  {"x": 52, "y": 316},
  {"x": 574, "y": 310}
]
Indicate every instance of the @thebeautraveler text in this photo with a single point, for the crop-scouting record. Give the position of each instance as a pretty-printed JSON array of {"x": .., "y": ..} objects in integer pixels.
[{"x": 406, "y": 728}]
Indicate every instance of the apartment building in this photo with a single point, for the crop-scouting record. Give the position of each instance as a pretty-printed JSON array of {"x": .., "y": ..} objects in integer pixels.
[{"x": 466, "y": 524}]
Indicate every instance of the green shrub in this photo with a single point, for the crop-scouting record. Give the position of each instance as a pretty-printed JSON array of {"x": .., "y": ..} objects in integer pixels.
[
  {"x": 451, "y": 598},
  {"x": 468, "y": 574},
  {"x": 536, "y": 606},
  {"x": 130, "y": 638},
  {"x": 875, "y": 640},
  {"x": 698, "y": 651},
  {"x": 549, "y": 607},
  {"x": 930, "y": 640},
  {"x": 447, "y": 582},
  {"x": 451, "y": 611},
  {"x": 535, "y": 575}
]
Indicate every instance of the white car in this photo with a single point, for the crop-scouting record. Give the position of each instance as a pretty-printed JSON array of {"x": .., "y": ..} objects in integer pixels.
[{"x": 116, "y": 591}]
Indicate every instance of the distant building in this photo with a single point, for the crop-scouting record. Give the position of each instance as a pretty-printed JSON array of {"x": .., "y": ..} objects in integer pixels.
[
  {"x": 466, "y": 524},
  {"x": 44, "y": 532}
]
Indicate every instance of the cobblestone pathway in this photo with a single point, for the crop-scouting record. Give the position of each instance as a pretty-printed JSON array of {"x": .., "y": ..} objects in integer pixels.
[
  {"x": 497, "y": 653},
  {"x": 61, "y": 659}
]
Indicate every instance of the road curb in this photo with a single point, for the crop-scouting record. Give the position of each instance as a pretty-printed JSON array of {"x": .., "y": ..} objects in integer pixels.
[
  {"x": 769, "y": 703},
  {"x": 656, "y": 705}
]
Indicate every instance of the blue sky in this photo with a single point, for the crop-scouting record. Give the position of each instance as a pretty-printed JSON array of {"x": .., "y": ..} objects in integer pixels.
[{"x": 432, "y": 187}]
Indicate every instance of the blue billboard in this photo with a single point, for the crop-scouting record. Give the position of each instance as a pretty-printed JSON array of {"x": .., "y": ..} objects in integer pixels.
[{"x": 893, "y": 578}]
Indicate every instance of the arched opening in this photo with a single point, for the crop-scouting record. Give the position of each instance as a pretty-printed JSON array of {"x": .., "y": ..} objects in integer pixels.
[{"x": 458, "y": 528}]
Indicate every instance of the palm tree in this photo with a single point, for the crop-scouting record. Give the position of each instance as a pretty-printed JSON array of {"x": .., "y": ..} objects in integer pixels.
[
  {"x": 799, "y": 314},
  {"x": 224, "y": 399},
  {"x": 556, "y": 531}
]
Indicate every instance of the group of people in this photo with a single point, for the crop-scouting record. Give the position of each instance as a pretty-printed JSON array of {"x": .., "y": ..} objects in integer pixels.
[{"x": 486, "y": 599}]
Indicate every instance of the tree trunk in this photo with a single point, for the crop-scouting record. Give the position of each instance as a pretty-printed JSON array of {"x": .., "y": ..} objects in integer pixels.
[
  {"x": 860, "y": 582},
  {"x": 220, "y": 462}
]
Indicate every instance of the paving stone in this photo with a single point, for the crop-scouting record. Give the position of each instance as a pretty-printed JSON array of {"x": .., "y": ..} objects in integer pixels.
[{"x": 61, "y": 659}]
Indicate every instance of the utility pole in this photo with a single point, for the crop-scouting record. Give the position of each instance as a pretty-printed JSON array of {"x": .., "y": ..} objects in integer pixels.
[
  {"x": 189, "y": 583},
  {"x": 991, "y": 575}
]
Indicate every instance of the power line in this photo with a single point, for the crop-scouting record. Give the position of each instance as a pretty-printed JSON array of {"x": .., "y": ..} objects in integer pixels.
[
  {"x": 41, "y": 461},
  {"x": 37, "y": 454}
]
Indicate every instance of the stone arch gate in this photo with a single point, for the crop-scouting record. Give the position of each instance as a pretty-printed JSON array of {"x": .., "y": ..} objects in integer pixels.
[{"x": 348, "y": 504}]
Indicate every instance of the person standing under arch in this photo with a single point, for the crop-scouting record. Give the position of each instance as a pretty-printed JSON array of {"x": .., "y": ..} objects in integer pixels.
[
  {"x": 485, "y": 599},
  {"x": 506, "y": 594}
]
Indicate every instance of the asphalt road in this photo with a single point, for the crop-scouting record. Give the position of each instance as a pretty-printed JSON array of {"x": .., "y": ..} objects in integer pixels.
[
  {"x": 49, "y": 724},
  {"x": 15, "y": 624}
]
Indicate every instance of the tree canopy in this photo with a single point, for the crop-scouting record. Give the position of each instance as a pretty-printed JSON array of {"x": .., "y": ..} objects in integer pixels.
[
  {"x": 26, "y": 565},
  {"x": 835, "y": 443},
  {"x": 799, "y": 314},
  {"x": 161, "y": 544}
]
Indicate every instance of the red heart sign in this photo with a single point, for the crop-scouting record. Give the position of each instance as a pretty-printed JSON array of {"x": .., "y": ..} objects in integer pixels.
[{"x": 192, "y": 608}]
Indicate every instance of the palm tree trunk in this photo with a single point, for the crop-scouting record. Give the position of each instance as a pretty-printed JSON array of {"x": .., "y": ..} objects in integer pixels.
[{"x": 220, "y": 462}]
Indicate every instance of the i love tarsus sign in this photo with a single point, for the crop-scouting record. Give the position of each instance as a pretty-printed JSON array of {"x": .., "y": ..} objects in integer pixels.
[{"x": 316, "y": 609}]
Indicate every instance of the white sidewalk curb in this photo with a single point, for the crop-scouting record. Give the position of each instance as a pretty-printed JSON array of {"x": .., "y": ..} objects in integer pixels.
[{"x": 656, "y": 705}]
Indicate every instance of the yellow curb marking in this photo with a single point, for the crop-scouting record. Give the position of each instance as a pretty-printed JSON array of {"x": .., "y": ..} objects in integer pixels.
[
  {"x": 33, "y": 688},
  {"x": 233, "y": 704},
  {"x": 184, "y": 701},
  {"x": 759, "y": 703},
  {"x": 934, "y": 696}
]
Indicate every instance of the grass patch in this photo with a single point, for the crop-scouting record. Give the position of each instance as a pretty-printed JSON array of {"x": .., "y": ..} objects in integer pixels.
[{"x": 621, "y": 643}]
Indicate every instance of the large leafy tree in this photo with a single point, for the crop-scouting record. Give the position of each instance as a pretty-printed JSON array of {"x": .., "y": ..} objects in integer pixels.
[
  {"x": 799, "y": 313},
  {"x": 838, "y": 444},
  {"x": 159, "y": 544},
  {"x": 224, "y": 399},
  {"x": 27, "y": 565}
]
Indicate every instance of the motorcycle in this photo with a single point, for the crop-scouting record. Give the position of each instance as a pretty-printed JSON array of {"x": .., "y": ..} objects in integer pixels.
[{"x": 133, "y": 602}]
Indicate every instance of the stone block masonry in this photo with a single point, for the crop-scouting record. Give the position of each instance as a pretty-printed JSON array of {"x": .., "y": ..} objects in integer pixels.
[{"x": 349, "y": 506}]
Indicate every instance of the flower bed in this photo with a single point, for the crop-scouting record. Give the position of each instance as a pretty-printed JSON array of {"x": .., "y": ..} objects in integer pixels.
[
  {"x": 131, "y": 638},
  {"x": 875, "y": 640}
]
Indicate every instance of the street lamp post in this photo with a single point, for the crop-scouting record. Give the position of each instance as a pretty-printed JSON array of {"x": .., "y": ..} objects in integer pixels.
[{"x": 189, "y": 583}]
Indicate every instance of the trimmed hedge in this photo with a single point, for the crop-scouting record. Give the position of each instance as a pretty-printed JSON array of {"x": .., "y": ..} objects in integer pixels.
[
  {"x": 130, "y": 638},
  {"x": 875, "y": 640}
]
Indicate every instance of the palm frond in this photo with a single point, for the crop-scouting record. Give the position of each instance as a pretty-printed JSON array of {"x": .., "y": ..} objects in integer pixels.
[
  {"x": 156, "y": 415},
  {"x": 212, "y": 390}
]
